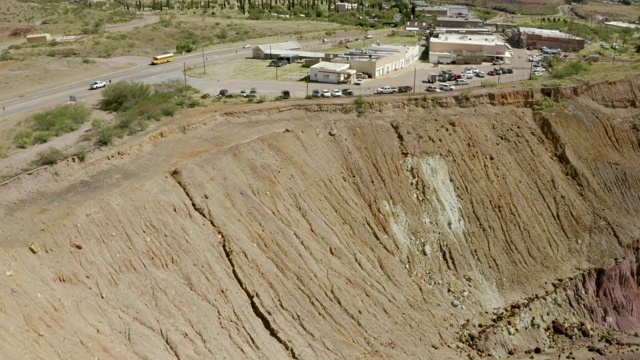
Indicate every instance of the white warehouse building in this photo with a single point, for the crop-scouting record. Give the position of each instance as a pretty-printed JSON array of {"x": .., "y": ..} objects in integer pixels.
[{"x": 329, "y": 72}]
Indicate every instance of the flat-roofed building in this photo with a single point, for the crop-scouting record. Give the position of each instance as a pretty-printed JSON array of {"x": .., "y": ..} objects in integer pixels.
[
  {"x": 456, "y": 10},
  {"x": 331, "y": 72},
  {"x": 272, "y": 51},
  {"x": 380, "y": 60},
  {"x": 467, "y": 48},
  {"x": 555, "y": 39},
  {"x": 417, "y": 26},
  {"x": 342, "y": 7},
  {"x": 458, "y": 22}
]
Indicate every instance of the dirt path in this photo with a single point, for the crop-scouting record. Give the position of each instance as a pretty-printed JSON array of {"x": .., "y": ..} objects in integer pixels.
[{"x": 146, "y": 20}]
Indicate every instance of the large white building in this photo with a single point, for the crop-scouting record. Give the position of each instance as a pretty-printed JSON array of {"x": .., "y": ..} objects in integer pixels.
[
  {"x": 329, "y": 72},
  {"x": 379, "y": 60},
  {"x": 466, "y": 48}
]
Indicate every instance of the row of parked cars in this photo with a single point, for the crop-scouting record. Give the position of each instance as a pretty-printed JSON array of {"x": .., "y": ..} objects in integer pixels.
[{"x": 332, "y": 93}]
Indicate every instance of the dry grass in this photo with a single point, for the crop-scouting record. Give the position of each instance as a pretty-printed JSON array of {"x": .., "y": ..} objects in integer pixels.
[
  {"x": 591, "y": 11},
  {"x": 35, "y": 74}
]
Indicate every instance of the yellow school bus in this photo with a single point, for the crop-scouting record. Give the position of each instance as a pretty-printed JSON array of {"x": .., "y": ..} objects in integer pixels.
[{"x": 161, "y": 59}]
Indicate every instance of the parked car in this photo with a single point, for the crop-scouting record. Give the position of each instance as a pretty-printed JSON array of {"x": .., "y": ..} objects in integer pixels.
[
  {"x": 369, "y": 36},
  {"x": 223, "y": 93},
  {"x": 253, "y": 92},
  {"x": 469, "y": 74},
  {"x": 508, "y": 70},
  {"x": 246, "y": 46},
  {"x": 243, "y": 93},
  {"x": 462, "y": 82},
  {"x": 359, "y": 81},
  {"x": 336, "y": 93},
  {"x": 404, "y": 89},
  {"x": 432, "y": 88},
  {"x": 316, "y": 93},
  {"x": 447, "y": 87},
  {"x": 492, "y": 73},
  {"x": 498, "y": 62},
  {"x": 347, "y": 92},
  {"x": 97, "y": 85},
  {"x": 326, "y": 93},
  {"x": 481, "y": 74}
]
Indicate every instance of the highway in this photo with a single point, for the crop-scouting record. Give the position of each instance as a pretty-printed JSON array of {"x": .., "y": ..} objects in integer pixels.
[{"x": 142, "y": 72}]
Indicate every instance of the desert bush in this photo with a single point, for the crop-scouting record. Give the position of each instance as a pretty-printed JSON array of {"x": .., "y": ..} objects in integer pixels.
[
  {"x": 488, "y": 83},
  {"x": 361, "y": 105},
  {"x": 570, "y": 69},
  {"x": 61, "y": 120},
  {"x": 47, "y": 157},
  {"x": 22, "y": 139},
  {"x": 107, "y": 135},
  {"x": 124, "y": 95}
]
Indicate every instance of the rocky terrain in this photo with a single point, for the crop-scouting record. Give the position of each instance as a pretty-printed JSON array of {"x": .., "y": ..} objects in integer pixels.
[{"x": 445, "y": 227}]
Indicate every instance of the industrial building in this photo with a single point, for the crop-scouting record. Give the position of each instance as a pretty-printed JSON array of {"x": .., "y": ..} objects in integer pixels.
[
  {"x": 329, "y": 72},
  {"x": 379, "y": 60},
  {"x": 555, "y": 39},
  {"x": 467, "y": 49},
  {"x": 458, "y": 22}
]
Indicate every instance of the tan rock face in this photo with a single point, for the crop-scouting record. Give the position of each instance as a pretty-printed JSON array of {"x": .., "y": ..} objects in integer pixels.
[{"x": 310, "y": 232}]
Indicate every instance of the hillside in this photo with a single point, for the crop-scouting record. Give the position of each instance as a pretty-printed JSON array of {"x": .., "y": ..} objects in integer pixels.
[{"x": 444, "y": 227}]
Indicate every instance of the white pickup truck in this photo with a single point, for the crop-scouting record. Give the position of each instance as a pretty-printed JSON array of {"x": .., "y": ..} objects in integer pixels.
[{"x": 387, "y": 90}]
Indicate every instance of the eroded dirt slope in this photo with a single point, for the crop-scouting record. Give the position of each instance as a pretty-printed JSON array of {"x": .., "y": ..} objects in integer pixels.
[{"x": 300, "y": 230}]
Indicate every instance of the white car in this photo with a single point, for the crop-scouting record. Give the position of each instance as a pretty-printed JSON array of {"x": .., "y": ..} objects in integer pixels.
[
  {"x": 325, "y": 93},
  {"x": 359, "y": 81},
  {"x": 97, "y": 85},
  {"x": 369, "y": 36},
  {"x": 247, "y": 46},
  {"x": 469, "y": 74},
  {"x": 481, "y": 74},
  {"x": 462, "y": 82},
  {"x": 447, "y": 87},
  {"x": 336, "y": 92},
  {"x": 498, "y": 62}
]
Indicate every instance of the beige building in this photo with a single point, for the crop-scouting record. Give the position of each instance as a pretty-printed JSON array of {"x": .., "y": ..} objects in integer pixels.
[
  {"x": 466, "y": 48},
  {"x": 334, "y": 73},
  {"x": 380, "y": 60}
]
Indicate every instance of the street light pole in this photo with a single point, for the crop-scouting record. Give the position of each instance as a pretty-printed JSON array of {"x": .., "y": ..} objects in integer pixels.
[
  {"x": 204, "y": 64},
  {"x": 415, "y": 70}
]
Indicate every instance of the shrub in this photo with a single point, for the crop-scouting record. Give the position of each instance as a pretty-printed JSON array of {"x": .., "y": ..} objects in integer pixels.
[
  {"x": 47, "y": 157},
  {"x": 61, "y": 120},
  {"x": 124, "y": 95},
  {"x": 488, "y": 83},
  {"x": 361, "y": 105},
  {"x": 570, "y": 69},
  {"x": 107, "y": 135},
  {"x": 22, "y": 138}
]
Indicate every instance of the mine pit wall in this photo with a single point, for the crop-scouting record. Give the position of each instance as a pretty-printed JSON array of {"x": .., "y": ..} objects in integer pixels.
[{"x": 348, "y": 239}]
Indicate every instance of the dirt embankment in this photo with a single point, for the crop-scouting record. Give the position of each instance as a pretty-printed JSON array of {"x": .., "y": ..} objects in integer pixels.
[{"x": 308, "y": 232}]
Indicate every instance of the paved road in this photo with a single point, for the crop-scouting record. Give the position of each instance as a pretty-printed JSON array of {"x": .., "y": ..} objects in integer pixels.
[{"x": 143, "y": 72}]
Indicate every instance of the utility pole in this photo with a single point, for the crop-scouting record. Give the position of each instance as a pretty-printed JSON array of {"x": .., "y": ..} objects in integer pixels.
[
  {"x": 204, "y": 64},
  {"x": 415, "y": 70},
  {"x": 308, "y": 76},
  {"x": 185, "y": 75}
]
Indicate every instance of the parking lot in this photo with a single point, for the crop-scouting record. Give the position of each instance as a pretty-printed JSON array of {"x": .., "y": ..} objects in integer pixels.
[{"x": 413, "y": 76}]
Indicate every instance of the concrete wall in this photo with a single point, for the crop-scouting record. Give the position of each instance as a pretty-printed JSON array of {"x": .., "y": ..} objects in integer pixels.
[{"x": 38, "y": 38}]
